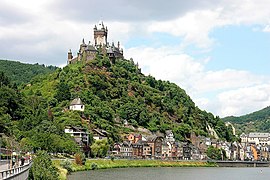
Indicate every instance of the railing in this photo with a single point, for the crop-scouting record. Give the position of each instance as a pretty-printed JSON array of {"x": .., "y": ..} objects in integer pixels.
[{"x": 20, "y": 172}]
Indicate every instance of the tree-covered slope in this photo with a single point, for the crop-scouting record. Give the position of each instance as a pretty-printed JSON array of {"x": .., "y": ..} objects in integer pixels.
[
  {"x": 37, "y": 114},
  {"x": 258, "y": 121},
  {"x": 22, "y": 73},
  {"x": 117, "y": 92}
]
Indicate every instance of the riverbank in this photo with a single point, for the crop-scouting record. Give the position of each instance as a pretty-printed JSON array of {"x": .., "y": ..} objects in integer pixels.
[{"x": 105, "y": 164}]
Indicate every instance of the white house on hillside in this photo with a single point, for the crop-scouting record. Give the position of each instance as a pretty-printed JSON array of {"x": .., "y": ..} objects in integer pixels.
[
  {"x": 76, "y": 105},
  {"x": 80, "y": 135}
]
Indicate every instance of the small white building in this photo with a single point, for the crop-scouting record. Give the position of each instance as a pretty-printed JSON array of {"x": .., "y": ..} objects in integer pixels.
[{"x": 76, "y": 105}]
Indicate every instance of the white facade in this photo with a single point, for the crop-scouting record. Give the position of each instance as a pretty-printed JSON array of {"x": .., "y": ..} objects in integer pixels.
[
  {"x": 259, "y": 138},
  {"x": 244, "y": 138},
  {"x": 79, "y": 135},
  {"x": 76, "y": 107},
  {"x": 169, "y": 136}
]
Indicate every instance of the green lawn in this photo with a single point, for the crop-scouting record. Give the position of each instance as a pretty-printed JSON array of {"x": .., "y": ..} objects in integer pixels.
[{"x": 105, "y": 164}]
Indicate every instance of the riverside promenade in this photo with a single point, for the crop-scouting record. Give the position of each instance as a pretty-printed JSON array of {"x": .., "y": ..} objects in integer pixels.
[
  {"x": 16, "y": 173},
  {"x": 4, "y": 165},
  {"x": 242, "y": 163}
]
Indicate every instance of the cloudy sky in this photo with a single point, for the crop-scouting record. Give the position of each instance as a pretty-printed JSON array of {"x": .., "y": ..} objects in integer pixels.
[{"x": 218, "y": 52}]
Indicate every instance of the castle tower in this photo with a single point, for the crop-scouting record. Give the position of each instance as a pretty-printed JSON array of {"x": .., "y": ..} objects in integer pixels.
[
  {"x": 82, "y": 46},
  {"x": 69, "y": 56},
  {"x": 100, "y": 34}
]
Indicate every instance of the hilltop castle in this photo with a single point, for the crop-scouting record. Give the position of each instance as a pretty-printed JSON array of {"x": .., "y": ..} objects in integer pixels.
[{"x": 88, "y": 52}]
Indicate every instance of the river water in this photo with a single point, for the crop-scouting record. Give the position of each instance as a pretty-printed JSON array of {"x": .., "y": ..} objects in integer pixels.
[{"x": 174, "y": 173}]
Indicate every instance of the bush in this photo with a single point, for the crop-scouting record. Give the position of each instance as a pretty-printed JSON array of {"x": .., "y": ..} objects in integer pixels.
[
  {"x": 112, "y": 158},
  {"x": 80, "y": 159},
  {"x": 67, "y": 165},
  {"x": 94, "y": 166},
  {"x": 43, "y": 168}
]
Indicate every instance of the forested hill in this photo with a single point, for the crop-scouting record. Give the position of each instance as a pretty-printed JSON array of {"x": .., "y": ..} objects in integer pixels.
[
  {"x": 258, "y": 121},
  {"x": 112, "y": 94},
  {"x": 22, "y": 73}
]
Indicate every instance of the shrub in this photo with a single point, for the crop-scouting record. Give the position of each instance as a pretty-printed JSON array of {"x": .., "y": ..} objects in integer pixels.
[
  {"x": 43, "y": 168},
  {"x": 80, "y": 159},
  {"x": 94, "y": 166},
  {"x": 112, "y": 158},
  {"x": 66, "y": 164}
]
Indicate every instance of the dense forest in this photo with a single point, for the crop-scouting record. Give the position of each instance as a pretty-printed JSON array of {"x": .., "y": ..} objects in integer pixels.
[
  {"x": 22, "y": 73},
  {"x": 258, "y": 121},
  {"x": 36, "y": 114}
]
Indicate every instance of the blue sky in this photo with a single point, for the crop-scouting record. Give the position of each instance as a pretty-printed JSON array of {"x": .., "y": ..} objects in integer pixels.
[
  {"x": 241, "y": 47},
  {"x": 217, "y": 51}
]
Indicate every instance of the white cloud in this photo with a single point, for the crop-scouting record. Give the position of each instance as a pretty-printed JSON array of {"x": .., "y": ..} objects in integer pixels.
[
  {"x": 232, "y": 92},
  {"x": 226, "y": 79},
  {"x": 243, "y": 100},
  {"x": 193, "y": 26},
  {"x": 166, "y": 63},
  {"x": 266, "y": 28}
]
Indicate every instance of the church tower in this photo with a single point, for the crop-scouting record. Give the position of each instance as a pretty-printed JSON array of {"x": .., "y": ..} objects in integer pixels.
[{"x": 100, "y": 34}]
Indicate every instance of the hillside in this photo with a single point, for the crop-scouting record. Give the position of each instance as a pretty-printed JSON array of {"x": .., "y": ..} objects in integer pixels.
[
  {"x": 112, "y": 94},
  {"x": 258, "y": 121},
  {"x": 22, "y": 73}
]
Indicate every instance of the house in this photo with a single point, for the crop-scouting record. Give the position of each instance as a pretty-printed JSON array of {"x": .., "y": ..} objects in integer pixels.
[
  {"x": 166, "y": 149},
  {"x": 259, "y": 138},
  {"x": 155, "y": 142},
  {"x": 169, "y": 136},
  {"x": 244, "y": 138},
  {"x": 126, "y": 149},
  {"x": 137, "y": 149},
  {"x": 116, "y": 149},
  {"x": 80, "y": 135},
  {"x": 175, "y": 150},
  {"x": 147, "y": 151},
  {"x": 195, "y": 153},
  {"x": 186, "y": 151},
  {"x": 99, "y": 134},
  {"x": 76, "y": 105}
]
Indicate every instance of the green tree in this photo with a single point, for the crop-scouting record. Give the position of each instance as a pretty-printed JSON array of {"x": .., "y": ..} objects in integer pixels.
[
  {"x": 43, "y": 168},
  {"x": 62, "y": 91},
  {"x": 100, "y": 148},
  {"x": 214, "y": 153},
  {"x": 4, "y": 81}
]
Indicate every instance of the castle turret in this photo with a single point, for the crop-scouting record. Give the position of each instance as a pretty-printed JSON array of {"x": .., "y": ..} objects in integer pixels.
[
  {"x": 70, "y": 57},
  {"x": 100, "y": 34},
  {"x": 82, "y": 46}
]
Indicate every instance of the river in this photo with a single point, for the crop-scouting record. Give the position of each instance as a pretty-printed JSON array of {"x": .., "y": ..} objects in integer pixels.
[{"x": 174, "y": 173}]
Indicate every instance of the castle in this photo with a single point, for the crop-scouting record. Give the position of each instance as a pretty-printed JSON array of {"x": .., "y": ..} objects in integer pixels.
[{"x": 88, "y": 52}]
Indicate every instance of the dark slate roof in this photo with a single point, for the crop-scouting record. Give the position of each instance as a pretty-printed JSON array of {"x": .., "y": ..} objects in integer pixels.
[
  {"x": 101, "y": 132},
  {"x": 90, "y": 48}
]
